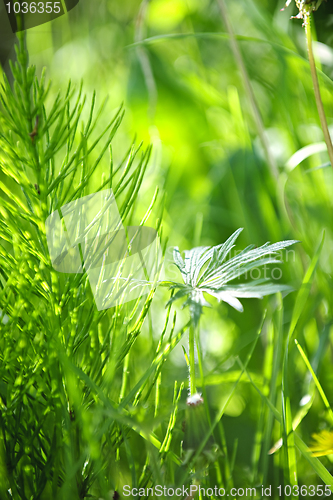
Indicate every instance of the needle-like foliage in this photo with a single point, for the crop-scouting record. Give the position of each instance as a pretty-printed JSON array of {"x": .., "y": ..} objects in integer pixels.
[{"x": 61, "y": 360}]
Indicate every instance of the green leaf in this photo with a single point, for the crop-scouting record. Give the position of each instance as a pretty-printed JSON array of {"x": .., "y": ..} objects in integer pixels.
[
  {"x": 205, "y": 270},
  {"x": 219, "y": 253},
  {"x": 316, "y": 381},
  {"x": 228, "y": 298},
  {"x": 304, "y": 291},
  {"x": 178, "y": 260}
]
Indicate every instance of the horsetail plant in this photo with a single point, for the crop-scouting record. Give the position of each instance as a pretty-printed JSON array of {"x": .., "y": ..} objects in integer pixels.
[
  {"x": 206, "y": 270},
  {"x": 63, "y": 398}
]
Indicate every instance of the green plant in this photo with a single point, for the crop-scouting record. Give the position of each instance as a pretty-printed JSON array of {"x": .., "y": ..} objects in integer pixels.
[
  {"x": 206, "y": 270},
  {"x": 306, "y": 8},
  {"x": 124, "y": 420},
  {"x": 63, "y": 364}
]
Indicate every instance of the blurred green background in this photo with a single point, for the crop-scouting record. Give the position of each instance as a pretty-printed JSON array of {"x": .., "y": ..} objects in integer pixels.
[
  {"x": 186, "y": 95},
  {"x": 171, "y": 63}
]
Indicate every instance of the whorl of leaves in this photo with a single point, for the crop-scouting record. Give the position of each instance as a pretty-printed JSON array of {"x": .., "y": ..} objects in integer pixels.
[{"x": 207, "y": 270}]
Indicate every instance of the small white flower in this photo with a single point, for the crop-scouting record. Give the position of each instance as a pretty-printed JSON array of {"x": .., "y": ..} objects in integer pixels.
[{"x": 195, "y": 400}]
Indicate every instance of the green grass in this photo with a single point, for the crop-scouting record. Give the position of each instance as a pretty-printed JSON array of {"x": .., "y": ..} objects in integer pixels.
[{"x": 95, "y": 400}]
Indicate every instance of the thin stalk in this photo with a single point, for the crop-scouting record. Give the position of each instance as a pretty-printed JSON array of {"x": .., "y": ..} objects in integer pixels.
[
  {"x": 200, "y": 365},
  {"x": 191, "y": 342},
  {"x": 248, "y": 89},
  {"x": 144, "y": 60},
  {"x": 125, "y": 377},
  {"x": 319, "y": 102},
  {"x": 157, "y": 393}
]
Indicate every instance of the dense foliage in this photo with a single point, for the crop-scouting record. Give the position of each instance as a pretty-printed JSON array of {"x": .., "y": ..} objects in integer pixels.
[{"x": 93, "y": 400}]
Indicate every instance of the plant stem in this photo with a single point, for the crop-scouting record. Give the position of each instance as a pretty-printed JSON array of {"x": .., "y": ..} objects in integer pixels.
[
  {"x": 125, "y": 377},
  {"x": 191, "y": 341},
  {"x": 248, "y": 89},
  {"x": 144, "y": 60},
  {"x": 319, "y": 102}
]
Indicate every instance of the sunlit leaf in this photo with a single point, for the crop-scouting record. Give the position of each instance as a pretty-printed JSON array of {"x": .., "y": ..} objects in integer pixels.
[{"x": 207, "y": 270}]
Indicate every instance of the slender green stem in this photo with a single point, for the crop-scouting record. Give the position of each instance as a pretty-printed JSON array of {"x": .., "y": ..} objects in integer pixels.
[
  {"x": 157, "y": 393},
  {"x": 200, "y": 365},
  {"x": 125, "y": 377},
  {"x": 248, "y": 89},
  {"x": 319, "y": 102},
  {"x": 144, "y": 59},
  {"x": 192, "y": 358}
]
